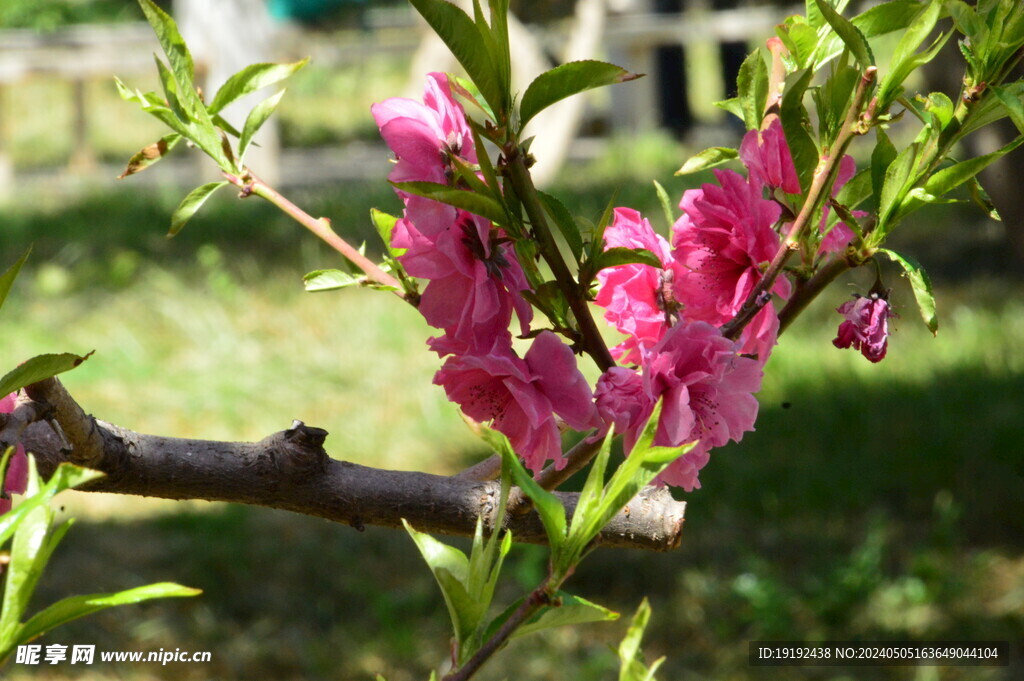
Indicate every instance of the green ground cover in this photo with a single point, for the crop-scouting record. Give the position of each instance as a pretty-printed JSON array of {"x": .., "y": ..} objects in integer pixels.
[{"x": 873, "y": 501}]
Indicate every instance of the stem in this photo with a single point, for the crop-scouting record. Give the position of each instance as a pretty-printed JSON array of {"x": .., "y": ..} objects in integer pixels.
[
  {"x": 551, "y": 477},
  {"x": 250, "y": 184},
  {"x": 522, "y": 184},
  {"x": 803, "y": 296},
  {"x": 527, "y": 609},
  {"x": 824, "y": 178}
]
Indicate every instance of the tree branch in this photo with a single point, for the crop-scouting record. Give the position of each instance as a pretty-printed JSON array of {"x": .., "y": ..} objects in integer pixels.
[{"x": 290, "y": 470}]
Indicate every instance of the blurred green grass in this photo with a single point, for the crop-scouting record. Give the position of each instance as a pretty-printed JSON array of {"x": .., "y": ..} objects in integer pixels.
[{"x": 873, "y": 501}]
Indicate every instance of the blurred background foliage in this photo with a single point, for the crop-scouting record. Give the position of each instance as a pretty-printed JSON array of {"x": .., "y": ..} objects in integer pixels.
[{"x": 872, "y": 502}]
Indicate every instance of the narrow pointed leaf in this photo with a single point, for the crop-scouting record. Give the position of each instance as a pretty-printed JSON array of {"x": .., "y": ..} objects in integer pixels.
[
  {"x": 459, "y": 32},
  {"x": 567, "y": 80},
  {"x": 330, "y": 280},
  {"x": 8, "y": 277},
  {"x": 74, "y": 607},
  {"x": 192, "y": 203},
  {"x": 255, "y": 120},
  {"x": 563, "y": 219},
  {"x": 666, "y": 204},
  {"x": 921, "y": 284},
  {"x": 475, "y": 203},
  {"x": 250, "y": 79},
  {"x": 752, "y": 89},
  {"x": 177, "y": 52},
  {"x": 709, "y": 158},
  {"x": 150, "y": 154},
  {"x": 850, "y": 35},
  {"x": 549, "y": 508},
  {"x": 573, "y": 610},
  {"x": 39, "y": 368}
]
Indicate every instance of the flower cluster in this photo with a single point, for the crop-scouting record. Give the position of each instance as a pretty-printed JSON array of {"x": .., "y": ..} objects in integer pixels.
[
  {"x": 670, "y": 316},
  {"x": 475, "y": 285},
  {"x": 16, "y": 479}
]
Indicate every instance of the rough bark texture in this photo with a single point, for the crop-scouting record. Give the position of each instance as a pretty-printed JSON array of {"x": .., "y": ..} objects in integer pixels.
[{"x": 290, "y": 470}]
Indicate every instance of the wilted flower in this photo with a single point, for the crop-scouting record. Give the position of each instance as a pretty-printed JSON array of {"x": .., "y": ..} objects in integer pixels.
[{"x": 866, "y": 327}]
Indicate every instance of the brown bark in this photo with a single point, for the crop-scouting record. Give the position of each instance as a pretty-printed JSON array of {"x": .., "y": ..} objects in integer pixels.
[{"x": 290, "y": 470}]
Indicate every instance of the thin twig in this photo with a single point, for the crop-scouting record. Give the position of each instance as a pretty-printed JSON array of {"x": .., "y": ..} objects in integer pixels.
[
  {"x": 592, "y": 341},
  {"x": 321, "y": 227}
]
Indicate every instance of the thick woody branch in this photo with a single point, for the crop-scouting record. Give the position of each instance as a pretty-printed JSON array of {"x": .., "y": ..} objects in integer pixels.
[{"x": 290, "y": 470}]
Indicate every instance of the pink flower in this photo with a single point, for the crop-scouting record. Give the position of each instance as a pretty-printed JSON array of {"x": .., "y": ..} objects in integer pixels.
[
  {"x": 866, "y": 327},
  {"x": 767, "y": 158},
  {"x": 721, "y": 244},
  {"x": 16, "y": 479},
  {"x": 621, "y": 400},
  {"x": 423, "y": 136},
  {"x": 521, "y": 397},
  {"x": 475, "y": 283},
  {"x": 632, "y": 294},
  {"x": 707, "y": 390}
]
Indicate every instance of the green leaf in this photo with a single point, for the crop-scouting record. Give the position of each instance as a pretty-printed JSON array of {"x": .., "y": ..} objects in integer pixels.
[
  {"x": 795, "y": 125},
  {"x": 385, "y": 225},
  {"x": 857, "y": 190},
  {"x": 72, "y": 608},
  {"x": 953, "y": 176},
  {"x": 330, "y": 280},
  {"x": 904, "y": 58},
  {"x": 666, "y": 204},
  {"x": 462, "y": 37},
  {"x": 733, "y": 106},
  {"x": 192, "y": 203},
  {"x": 177, "y": 54},
  {"x": 709, "y": 158},
  {"x": 451, "y": 570},
  {"x": 563, "y": 219},
  {"x": 37, "y": 369},
  {"x": 752, "y": 89},
  {"x": 250, "y": 79},
  {"x": 800, "y": 39},
  {"x": 882, "y": 157},
  {"x": 982, "y": 199},
  {"x": 894, "y": 188},
  {"x": 573, "y": 610},
  {"x": 921, "y": 284},
  {"x": 850, "y": 35},
  {"x": 833, "y": 100},
  {"x": 64, "y": 477},
  {"x": 644, "y": 463},
  {"x": 7, "y": 280},
  {"x": 1011, "y": 99},
  {"x": 28, "y": 555},
  {"x": 631, "y": 658},
  {"x": 255, "y": 120},
  {"x": 150, "y": 154},
  {"x": 549, "y": 508},
  {"x": 567, "y": 80},
  {"x": 614, "y": 257},
  {"x": 478, "y": 204}
]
